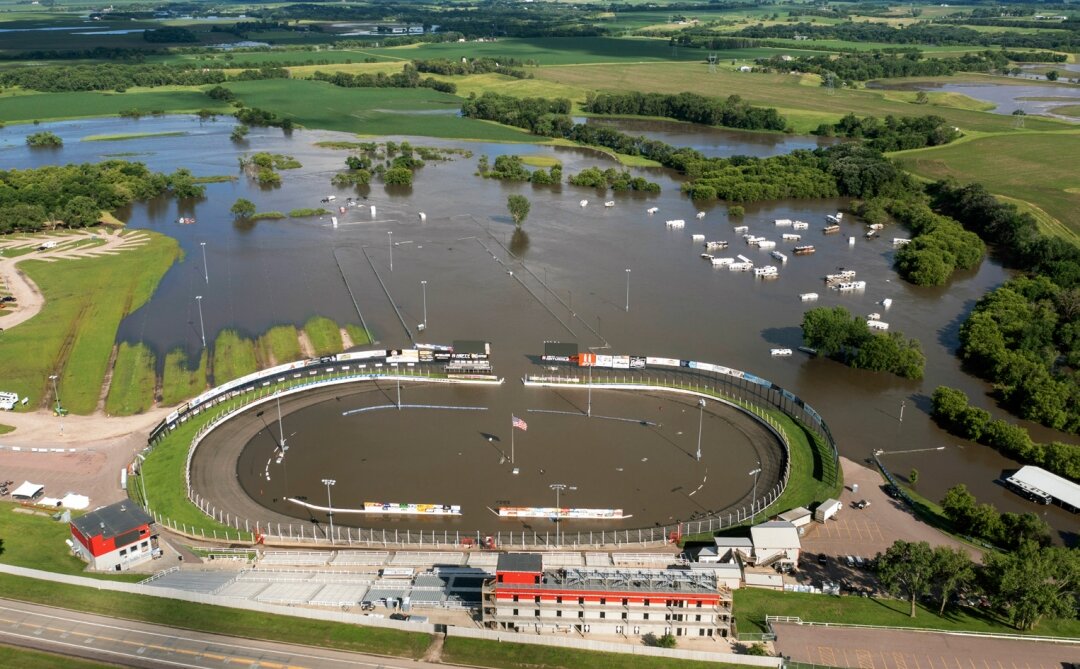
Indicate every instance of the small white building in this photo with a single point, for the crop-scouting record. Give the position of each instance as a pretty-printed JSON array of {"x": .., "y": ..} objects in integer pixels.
[
  {"x": 776, "y": 542},
  {"x": 798, "y": 516}
]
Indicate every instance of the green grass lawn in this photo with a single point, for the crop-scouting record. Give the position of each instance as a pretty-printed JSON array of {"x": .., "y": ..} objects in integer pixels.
[
  {"x": 131, "y": 135},
  {"x": 753, "y": 604},
  {"x": 37, "y": 542},
  {"x": 133, "y": 381},
  {"x": 1067, "y": 110},
  {"x": 370, "y": 111},
  {"x": 278, "y": 345},
  {"x": 23, "y": 657},
  {"x": 4, "y": 429},
  {"x": 178, "y": 381},
  {"x": 324, "y": 334},
  {"x": 52, "y": 106},
  {"x": 1026, "y": 166},
  {"x": 234, "y": 356},
  {"x": 477, "y": 652},
  {"x": 73, "y": 336}
]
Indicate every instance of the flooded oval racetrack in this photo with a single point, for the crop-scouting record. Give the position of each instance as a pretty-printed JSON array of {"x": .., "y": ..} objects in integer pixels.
[{"x": 636, "y": 452}]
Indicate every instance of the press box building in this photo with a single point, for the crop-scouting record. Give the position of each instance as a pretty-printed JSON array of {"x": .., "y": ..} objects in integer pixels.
[
  {"x": 114, "y": 537},
  {"x": 631, "y": 602}
]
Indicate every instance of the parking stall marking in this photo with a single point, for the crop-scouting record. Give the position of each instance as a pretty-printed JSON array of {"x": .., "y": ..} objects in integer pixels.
[{"x": 865, "y": 658}]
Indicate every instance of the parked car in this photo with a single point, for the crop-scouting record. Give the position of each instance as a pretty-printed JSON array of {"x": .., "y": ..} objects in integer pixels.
[{"x": 862, "y": 504}]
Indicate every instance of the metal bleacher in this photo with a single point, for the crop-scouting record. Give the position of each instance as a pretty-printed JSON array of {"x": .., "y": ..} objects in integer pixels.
[
  {"x": 644, "y": 559},
  {"x": 296, "y": 592},
  {"x": 360, "y": 558},
  {"x": 598, "y": 560},
  {"x": 296, "y": 558},
  {"x": 427, "y": 558}
]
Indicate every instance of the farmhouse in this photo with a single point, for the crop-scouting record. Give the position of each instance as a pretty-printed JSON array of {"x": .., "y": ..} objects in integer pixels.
[{"x": 114, "y": 537}]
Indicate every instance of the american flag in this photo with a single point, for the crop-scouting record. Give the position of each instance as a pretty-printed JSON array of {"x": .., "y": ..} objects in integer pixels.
[{"x": 518, "y": 423}]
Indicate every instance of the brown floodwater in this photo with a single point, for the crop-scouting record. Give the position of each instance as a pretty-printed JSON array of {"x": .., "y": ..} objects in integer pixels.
[{"x": 568, "y": 283}]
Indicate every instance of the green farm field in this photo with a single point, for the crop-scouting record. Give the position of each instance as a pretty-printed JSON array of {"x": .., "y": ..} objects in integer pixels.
[
  {"x": 53, "y": 106},
  {"x": 1024, "y": 167},
  {"x": 85, "y": 300},
  {"x": 370, "y": 111}
]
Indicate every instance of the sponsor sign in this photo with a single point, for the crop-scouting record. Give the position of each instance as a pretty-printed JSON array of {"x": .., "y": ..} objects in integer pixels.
[{"x": 661, "y": 362}]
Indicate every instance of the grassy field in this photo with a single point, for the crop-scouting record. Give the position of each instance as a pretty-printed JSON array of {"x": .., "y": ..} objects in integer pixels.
[
  {"x": 324, "y": 334},
  {"x": 4, "y": 429},
  {"x": 234, "y": 356},
  {"x": 37, "y": 542},
  {"x": 278, "y": 345},
  {"x": 752, "y": 605},
  {"x": 480, "y": 653},
  {"x": 370, "y": 111},
  {"x": 178, "y": 381},
  {"x": 1025, "y": 167},
  {"x": 133, "y": 381},
  {"x": 73, "y": 336},
  {"x": 23, "y": 657},
  {"x": 1068, "y": 110},
  {"x": 217, "y": 619},
  {"x": 51, "y": 106}
]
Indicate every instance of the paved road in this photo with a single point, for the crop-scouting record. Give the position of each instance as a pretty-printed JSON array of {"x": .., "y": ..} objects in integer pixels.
[
  {"x": 893, "y": 649},
  {"x": 137, "y": 644}
]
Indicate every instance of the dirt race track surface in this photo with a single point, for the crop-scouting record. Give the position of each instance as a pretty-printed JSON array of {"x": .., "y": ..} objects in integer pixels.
[{"x": 895, "y": 649}]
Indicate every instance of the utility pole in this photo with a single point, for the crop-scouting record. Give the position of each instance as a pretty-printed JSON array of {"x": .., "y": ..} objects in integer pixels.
[
  {"x": 902, "y": 403},
  {"x": 701, "y": 418},
  {"x": 206, "y": 272},
  {"x": 391, "y": 234},
  {"x": 423, "y": 285},
  {"x": 627, "y": 290}
]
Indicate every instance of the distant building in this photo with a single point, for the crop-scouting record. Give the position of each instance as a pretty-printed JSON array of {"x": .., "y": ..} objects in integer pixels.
[
  {"x": 114, "y": 537},
  {"x": 525, "y": 597},
  {"x": 746, "y": 68}
]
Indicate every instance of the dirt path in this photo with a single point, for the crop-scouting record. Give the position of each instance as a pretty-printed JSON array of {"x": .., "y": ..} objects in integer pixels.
[
  {"x": 346, "y": 340},
  {"x": 305, "y": 344}
]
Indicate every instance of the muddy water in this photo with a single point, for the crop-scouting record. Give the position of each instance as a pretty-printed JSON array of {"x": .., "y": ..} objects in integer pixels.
[
  {"x": 1008, "y": 98},
  {"x": 286, "y": 271},
  {"x": 636, "y": 453}
]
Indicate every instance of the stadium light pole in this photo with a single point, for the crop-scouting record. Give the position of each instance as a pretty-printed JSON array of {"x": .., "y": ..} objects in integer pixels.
[
  {"x": 330, "y": 506},
  {"x": 390, "y": 234},
  {"x": 56, "y": 395},
  {"x": 753, "y": 502},
  {"x": 701, "y": 419},
  {"x": 202, "y": 326},
  {"x": 558, "y": 488},
  {"x": 423, "y": 286},
  {"x": 206, "y": 272},
  {"x": 627, "y": 290}
]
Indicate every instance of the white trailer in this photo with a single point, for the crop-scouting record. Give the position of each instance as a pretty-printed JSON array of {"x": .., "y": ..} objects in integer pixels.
[{"x": 827, "y": 509}]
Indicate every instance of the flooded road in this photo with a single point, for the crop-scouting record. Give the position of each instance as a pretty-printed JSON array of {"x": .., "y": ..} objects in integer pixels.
[{"x": 286, "y": 271}]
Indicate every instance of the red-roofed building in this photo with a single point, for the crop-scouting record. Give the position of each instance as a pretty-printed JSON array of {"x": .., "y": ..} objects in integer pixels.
[{"x": 114, "y": 538}]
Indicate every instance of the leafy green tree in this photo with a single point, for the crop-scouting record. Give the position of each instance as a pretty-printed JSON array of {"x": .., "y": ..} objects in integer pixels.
[
  {"x": 1052, "y": 75},
  {"x": 667, "y": 641},
  {"x": 183, "y": 184},
  {"x": 959, "y": 506},
  {"x": 736, "y": 210},
  {"x": 921, "y": 98},
  {"x": 828, "y": 330},
  {"x": 1034, "y": 582},
  {"x": 44, "y": 139},
  {"x": 398, "y": 176},
  {"x": 518, "y": 206},
  {"x": 953, "y": 569},
  {"x": 907, "y": 569},
  {"x": 22, "y": 216},
  {"x": 80, "y": 212},
  {"x": 243, "y": 209},
  {"x": 239, "y": 132}
]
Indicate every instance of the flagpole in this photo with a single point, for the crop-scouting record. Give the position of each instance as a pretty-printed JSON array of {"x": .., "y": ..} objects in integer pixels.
[{"x": 511, "y": 438}]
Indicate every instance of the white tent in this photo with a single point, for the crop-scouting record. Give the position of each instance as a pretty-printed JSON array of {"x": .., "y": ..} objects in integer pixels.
[
  {"x": 27, "y": 491},
  {"x": 75, "y": 501}
]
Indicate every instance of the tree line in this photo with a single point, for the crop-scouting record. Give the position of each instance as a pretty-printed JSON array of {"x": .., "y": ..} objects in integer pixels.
[
  {"x": 730, "y": 112},
  {"x": 1025, "y": 586},
  {"x": 74, "y": 195},
  {"x": 510, "y": 67},
  {"x": 409, "y": 77},
  {"x": 838, "y": 334},
  {"x": 939, "y": 247},
  {"x": 864, "y": 65},
  {"x": 616, "y": 180},
  {"x": 1025, "y": 335},
  {"x": 112, "y": 77},
  {"x": 919, "y": 33},
  {"x": 984, "y": 522},
  {"x": 893, "y": 133},
  {"x": 950, "y": 409},
  {"x": 846, "y": 169},
  {"x": 511, "y": 168}
]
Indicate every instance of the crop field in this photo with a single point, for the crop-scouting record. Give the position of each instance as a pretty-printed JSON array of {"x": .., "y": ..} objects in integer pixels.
[
  {"x": 1024, "y": 166},
  {"x": 54, "y": 106},
  {"x": 805, "y": 103},
  {"x": 244, "y": 59},
  {"x": 370, "y": 111},
  {"x": 554, "y": 50},
  {"x": 85, "y": 299}
]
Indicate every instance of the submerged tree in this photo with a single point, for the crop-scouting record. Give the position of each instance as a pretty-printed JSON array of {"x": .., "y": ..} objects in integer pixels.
[
  {"x": 243, "y": 208},
  {"x": 519, "y": 207}
]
